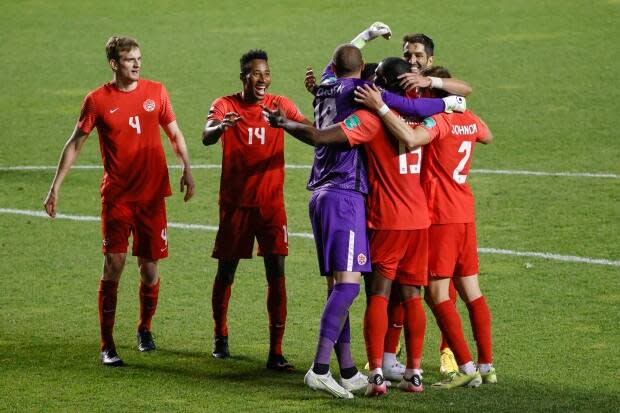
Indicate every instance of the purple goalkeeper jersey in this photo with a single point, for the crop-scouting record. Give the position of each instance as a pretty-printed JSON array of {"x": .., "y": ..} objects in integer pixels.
[{"x": 337, "y": 166}]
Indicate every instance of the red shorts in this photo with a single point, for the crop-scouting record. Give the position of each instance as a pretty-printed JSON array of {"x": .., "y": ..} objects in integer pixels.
[
  {"x": 401, "y": 255},
  {"x": 453, "y": 250},
  {"x": 239, "y": 226},
  {"x": 146, "y": 221}
]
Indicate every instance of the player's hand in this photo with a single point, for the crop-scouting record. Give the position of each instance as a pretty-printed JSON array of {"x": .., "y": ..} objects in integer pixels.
[
  {"x": 369, "y": 96},
  {"x": 275, "y": 117},
  {"x": 379, "y": 29},
  {"x": 50, "y": 203},
  {"x": 187, "y": 184},
  {"x": 410, "y": 81},
  {"x": 310, "y": 81},
  {"x": 230, "y": 119}
]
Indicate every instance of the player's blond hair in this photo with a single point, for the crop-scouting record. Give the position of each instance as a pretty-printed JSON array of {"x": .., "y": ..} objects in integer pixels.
[{"x": 118, "y": 44}]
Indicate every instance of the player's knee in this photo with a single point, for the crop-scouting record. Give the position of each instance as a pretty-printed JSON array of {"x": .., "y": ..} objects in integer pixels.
[{"x": 113, "y": 265}]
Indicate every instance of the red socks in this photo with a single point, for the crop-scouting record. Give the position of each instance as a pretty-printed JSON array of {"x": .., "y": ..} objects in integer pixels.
[
  {"x": 107, "y": 310},
  {"x": 276, "y": 307},
  {"x": 452, "y": 293},
  {"x": 415, "y": 327},
  {"x": 219, "y": 303},
  {"x": 396, "y": 316},
  {"x": 375, "y": 327},
  {"x": 480, "y": 318},
  {"x": 451, "y": 328},
  {"x": 148, "y": 304}
]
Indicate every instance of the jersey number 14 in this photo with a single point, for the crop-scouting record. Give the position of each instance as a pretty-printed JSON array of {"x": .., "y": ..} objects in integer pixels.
[{"x": 258, "y": 133}]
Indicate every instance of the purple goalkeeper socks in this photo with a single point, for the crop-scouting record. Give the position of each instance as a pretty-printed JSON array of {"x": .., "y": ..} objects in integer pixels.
[{"x": 333, "y": 319}]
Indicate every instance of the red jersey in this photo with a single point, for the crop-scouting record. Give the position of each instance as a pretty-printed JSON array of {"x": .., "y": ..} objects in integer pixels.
[
  {"x": 395, "y": 196},
  {"x": 252, "y": 152},
  {"x": 447, "y": 163},
  {"x": 134, "y": 163}
]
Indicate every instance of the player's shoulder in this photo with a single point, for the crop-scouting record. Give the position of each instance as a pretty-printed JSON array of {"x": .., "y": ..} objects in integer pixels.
[
  {"x": 229, "y": 100},
  {"x": 361, "y": 117}
]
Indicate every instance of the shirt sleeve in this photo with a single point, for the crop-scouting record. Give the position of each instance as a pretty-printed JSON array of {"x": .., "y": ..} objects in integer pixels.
[
  {"x": 433, "y": 125},
  {"x": 416, "y": 107},
  {"x": 483, "y": 131},
  {"x": 361, "y": 127},
  {"x": 218, "y": 110},
  {"x": 328, "y": 73},
  {"x": 166, "y": 113},
  {"x": 290, "y": 109},
  {"x": 88, "y": 115}
]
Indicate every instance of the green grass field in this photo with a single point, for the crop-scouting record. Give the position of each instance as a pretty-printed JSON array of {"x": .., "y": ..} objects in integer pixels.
[{"x": 545, "y": 80}]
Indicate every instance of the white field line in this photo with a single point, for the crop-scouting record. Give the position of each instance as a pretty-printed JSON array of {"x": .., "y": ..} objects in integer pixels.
[
  {"x": 544, "y": 255},
  {"x": 293, "y": 166}
]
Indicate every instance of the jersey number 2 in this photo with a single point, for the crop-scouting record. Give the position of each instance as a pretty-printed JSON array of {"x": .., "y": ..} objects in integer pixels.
[
  {"x": 259, "y": 133},
  {"x": 456, "y": 175},
  {"x": 134, "y": 122}
]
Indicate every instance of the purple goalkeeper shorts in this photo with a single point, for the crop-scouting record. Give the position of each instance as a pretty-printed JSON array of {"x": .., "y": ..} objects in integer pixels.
[{"x": 338, "y": 220}]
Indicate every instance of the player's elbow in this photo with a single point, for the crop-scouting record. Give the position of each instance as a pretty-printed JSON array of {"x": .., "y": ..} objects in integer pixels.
[{"x": 487, "y": 139}]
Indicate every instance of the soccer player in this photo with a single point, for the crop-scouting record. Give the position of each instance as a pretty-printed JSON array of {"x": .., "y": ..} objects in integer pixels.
[
  {"x": 452, "y": 235},
  {"x": 251, "y": 198},
  {"x": 127, "y": 113},
  {"x": 396, "y": 214}
]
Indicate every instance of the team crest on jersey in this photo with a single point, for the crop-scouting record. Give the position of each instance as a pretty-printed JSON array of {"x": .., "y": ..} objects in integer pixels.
[
  {"x": 352, "y": 122},
  {"x": 361, "y": 259},
  {"x": 429, "y": 122},
  {"x": 106, "y": 242},
  {"x": 149, "y": 105}
]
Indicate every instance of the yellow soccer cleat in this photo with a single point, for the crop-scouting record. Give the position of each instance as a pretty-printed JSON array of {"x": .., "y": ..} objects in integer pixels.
[
  {"x": 447, "y": 362},
  {"x": 458, "y": 379}
]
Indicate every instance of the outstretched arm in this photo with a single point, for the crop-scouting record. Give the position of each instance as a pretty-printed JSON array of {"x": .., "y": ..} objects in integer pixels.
[
  {"x": 69, "y": 154},
  {"x": 180, "y": 149},
  {"x": 453, "y": 86},
  {"x": 370, "y": 96},
  {"x": 305, "y": 132}
]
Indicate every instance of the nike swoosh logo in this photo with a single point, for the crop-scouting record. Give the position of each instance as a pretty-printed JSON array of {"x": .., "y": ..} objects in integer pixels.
[
  {"x": 113, "y": 110},
  {"x": 163, "y": 249}
]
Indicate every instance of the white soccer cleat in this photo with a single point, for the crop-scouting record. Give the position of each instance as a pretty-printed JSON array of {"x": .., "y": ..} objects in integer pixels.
[
  {"x": 376, "y": 386},
  {"x": 355, "y": 383},
  {"x": 326, "y": 383},
  {"x": 455, "y": 103},
  {"x": 394, "y": 372}
]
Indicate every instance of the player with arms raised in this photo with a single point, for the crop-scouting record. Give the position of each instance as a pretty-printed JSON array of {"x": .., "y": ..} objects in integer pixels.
[
  {"x": 251, "y": 198},
  {"x": 127, "y": 113}
]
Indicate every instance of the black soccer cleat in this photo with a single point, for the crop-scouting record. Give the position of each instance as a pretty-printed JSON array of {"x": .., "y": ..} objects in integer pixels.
[
  {"x": 277, "y": 362},
  {"x": 220, "y": 347},
  {"x": 145, "y": 341},
  {"x": 110, "y": 358}
]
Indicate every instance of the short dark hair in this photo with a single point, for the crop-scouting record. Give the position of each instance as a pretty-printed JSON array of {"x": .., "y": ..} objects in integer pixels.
[
  {"x": 388, "y": 71},
  {"x": 437, "y": 71},
  {"x": 347, "y": 59},
  {"x": 118, "y": 44},
  {"x": 368, "y": 72},
  {"x": 429, "y": 46},
  {"x": 245, "y": 60}
]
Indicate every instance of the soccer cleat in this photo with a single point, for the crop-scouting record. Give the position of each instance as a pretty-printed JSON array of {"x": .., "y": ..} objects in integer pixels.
[
  {"x": 458, "y": 379},
  {"x": 110, "y": 358},
  {"x": 394, "y": 371},
  {"x": 447, "y": 362},
  {"x": 326, "y": 383},
  {"x": 220, "y": 347},
  {"x": 145, "y": 341},
  {"x": 412, "y": 385},
  {"x": 489, "y": 377},
  {"x": 454, "y": 103},
  {"x": 376, "y": 386},
  {"x": 355, "y": 383},
  {"x": 277, "y": 362}
]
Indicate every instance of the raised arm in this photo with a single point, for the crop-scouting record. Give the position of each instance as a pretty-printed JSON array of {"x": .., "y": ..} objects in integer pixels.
[
  {"x": 370, "y": 96},
  {"x": 488, "y": 138},
  {"x": 177, "y": 140},
  {"x": 69, "y": 154}
]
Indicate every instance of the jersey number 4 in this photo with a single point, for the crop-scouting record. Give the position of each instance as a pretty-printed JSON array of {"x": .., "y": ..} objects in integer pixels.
[
  {"x": 258, "y": 133},
  {"x": 134, "y": 122}
]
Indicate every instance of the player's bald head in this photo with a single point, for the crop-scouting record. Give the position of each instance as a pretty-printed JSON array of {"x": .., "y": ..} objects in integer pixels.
[{"x": 347, "y": 60}]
